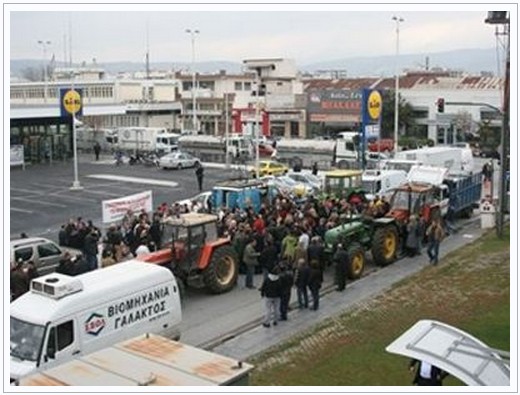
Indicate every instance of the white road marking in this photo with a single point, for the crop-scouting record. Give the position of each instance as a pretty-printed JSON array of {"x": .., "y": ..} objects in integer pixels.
[
  {"x": 102, "y": 193},
  {"x": 135, "y": 180},
  {"x": 26, "y": 191},
  {"x": 21, "y": 210},
  {"x": 38, "y": 202}
]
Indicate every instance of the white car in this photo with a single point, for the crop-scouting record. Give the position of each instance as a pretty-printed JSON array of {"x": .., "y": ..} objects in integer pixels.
[
  {"x": 307, "y": 178},
  {"x": 200, "y": 200},
  {"x": 178, "y": 160}
]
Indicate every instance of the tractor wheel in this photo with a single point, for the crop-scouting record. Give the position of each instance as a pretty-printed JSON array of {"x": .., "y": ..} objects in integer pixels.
[
  {"x": 384, "y": 245},
  {"x": 356, "y": 261},
  {"x": 222, "y": 272}
]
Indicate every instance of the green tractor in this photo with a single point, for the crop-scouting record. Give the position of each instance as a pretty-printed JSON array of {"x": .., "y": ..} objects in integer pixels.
[
  {"x": 344, "y": 184},
  {"x": 359, "y": 235}
]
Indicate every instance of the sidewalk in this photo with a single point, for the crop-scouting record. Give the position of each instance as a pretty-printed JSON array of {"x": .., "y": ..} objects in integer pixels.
[{"x": 260, "y": 339}]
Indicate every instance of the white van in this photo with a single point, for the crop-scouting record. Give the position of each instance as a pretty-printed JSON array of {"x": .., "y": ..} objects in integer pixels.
[
  {"x": 63, "y": 317},
  {"x": 381, "y": 182}
]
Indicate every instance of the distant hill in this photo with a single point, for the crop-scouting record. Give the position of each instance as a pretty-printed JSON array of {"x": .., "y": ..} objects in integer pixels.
[{"x": 472, "y": 61}]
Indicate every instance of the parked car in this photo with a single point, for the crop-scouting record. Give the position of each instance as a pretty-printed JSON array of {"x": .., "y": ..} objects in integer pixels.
[
  {"x": 178, "y": 160},
  {"x": 44, "y": 253},
  {"x": 269, "y": 168}
]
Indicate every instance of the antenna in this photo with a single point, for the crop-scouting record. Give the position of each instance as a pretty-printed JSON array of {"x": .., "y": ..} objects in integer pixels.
[{"x": 147, "y": 51}]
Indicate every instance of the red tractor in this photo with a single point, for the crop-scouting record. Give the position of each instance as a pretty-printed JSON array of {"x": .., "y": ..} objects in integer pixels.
[{"x": 195, "y": 254}]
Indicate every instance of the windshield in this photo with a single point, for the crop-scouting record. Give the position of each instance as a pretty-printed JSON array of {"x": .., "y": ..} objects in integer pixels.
[
  {"x": 370, "y": 187},
  {"x": 400, "y": 200},
  {"x": 26, "y": 339}
]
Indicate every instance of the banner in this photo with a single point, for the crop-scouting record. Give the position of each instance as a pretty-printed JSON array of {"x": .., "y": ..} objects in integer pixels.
[
  {"x": 17, "y": 157},
  {"x": 115, "y": 209}
]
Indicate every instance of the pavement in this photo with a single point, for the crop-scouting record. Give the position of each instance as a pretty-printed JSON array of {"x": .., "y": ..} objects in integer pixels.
[{"x": 333, "y": 304}]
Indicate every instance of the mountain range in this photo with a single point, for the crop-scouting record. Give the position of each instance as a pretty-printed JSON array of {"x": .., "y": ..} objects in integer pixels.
[{"x": 471, "y": 61}]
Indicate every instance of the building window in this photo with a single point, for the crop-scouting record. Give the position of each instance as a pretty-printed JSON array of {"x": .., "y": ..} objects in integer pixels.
[
  {"x": 238, "y": 86},
  {"x": 247, "y": 86},
  {"x": 186, "y": 85},
  {"x": 207, "y": 85}
]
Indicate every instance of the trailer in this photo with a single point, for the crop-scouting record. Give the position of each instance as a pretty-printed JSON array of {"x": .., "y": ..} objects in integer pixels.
[
  {"x": 465, "y": 192},
  {"x": 213, "y": 148},
  {"x": 303, "y": 153},
  {"x": 455, "y": 159},
  {"x": 146, "y": 360}
]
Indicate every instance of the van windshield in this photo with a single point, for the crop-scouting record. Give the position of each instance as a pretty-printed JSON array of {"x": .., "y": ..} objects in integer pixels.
[
  {"x": 26, "y": 339},
  {"x": 371, "y": 186}
]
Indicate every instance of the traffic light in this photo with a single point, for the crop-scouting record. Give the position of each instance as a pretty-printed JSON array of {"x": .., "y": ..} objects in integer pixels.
[{"x": 440, "y": 105}]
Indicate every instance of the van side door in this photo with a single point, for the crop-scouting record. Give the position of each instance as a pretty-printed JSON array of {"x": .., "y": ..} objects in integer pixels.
[{"x": 62, "y": 343}]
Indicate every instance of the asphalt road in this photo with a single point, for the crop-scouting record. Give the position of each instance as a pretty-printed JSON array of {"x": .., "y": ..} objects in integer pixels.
[{"x": 41, "y": 199}]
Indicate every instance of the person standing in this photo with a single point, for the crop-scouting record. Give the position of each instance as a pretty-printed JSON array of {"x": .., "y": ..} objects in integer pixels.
[
  {"x": 271, "y": 290},
  {"x": 90, "y": 249},
  {"x": 19, "y": 281},
  {"x": 315, "y": 281},
  {"x": 287, "y": 282},
  {"x": 412, "y": 237},
  {"x": 97, "y": 150},
  {"x": 340, "y": 260},
  {"x": 435, "y": 234},
  {"x": 251, "y": 261},
  {"x": 315, "y": 169},
  {"x": 302, "y": 282},
  {"x": 426, "y": 374},
  {"x": 199, "y": 172}
]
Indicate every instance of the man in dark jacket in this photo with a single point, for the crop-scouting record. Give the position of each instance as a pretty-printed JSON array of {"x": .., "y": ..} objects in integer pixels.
[
  {"x": 302, "y": 282},
  {"x": 315, "y": 281},
  {"x": 271, "y": 291},
  {"x": 287, "y": 282},
  {"x": 90, "y": 249},
  {"x": 316, "y": 252},
  {"x": 199, "y": 172},
  {"x": 268, "y": 258},
  {"x": 340, "y": 260}
]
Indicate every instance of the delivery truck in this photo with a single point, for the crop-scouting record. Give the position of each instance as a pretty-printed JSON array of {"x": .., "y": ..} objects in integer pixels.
[
  {"x": 144, "y": 139},
  {"x": 456, "y": 159},
  {"x": 64, "y": 317}
]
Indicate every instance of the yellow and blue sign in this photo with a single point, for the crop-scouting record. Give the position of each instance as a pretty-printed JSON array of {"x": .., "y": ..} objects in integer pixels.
[
  {"x": 371, "y": 114},
  {"x": 71, "y": 102}
]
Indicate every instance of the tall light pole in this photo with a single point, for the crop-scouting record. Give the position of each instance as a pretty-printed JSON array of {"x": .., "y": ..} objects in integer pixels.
[
  {"x": 192, "y": 33},
  {"x": 397, "y": 20},
  {"x": 44, "y": 44}
]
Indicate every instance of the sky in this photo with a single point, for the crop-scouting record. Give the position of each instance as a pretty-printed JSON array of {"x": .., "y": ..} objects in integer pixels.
[{"x": 306, "y": 34}]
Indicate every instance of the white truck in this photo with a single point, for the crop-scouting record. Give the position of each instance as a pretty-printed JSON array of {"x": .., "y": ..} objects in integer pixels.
[
  {"x": 144, "y": 139},
  {"x": 342, "y": 153},
  {"x": 456, "y": 159},
  {"x": 64, "y": 317},
  {"x": 381, "y": 182},
  {"x": 213, "y": 148}
]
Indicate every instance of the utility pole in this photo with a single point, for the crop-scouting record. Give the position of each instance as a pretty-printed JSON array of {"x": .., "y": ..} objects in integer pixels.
[
  {"x": 192, "y": 33},
  {"x": 397, "y": 20},
  {"x": 502, "y": 18}
]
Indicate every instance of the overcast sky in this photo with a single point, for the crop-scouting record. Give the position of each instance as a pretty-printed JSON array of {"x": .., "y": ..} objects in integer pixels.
[{"x": 233, "y": 35}]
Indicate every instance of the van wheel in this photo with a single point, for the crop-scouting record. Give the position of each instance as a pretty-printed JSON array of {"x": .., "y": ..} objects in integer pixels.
[{"x": 222, "y": 272}]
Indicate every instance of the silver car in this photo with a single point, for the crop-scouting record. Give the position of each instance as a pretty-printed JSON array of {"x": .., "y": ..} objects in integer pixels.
[
  {"x": 178, "y": 160},
  {"x": 45, "y": 253}
]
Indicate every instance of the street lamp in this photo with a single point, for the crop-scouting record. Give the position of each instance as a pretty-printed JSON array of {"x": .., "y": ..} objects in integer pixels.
[
  {"x": 44, "y": 45},
  {"x": 192, "y": 33},
  {"x": 397, "y": 20}
]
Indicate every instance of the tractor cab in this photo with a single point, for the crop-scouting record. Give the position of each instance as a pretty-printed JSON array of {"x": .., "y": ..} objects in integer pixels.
[
  {"x": 344, "y": 184},
  {"x": 198, "y": 257}
]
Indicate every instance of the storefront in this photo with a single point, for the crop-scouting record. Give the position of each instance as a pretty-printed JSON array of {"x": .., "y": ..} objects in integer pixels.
[{"x": 46, "y": 136}]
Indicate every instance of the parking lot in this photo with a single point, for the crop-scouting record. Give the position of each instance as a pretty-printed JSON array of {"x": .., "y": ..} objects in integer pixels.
[{"x": 41, "y": 199}]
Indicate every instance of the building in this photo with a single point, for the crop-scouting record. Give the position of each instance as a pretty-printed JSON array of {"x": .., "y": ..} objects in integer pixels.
[{"x": 288, "y": 105}]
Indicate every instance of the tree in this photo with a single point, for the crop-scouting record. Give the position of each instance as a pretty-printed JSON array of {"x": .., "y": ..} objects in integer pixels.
[{"x": 406, "y": 119}]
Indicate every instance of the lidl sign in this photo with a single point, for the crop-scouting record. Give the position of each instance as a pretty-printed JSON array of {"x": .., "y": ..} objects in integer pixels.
[
  {"x": 71, "y": 102},
  {"x": 374, "y": 105}
]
